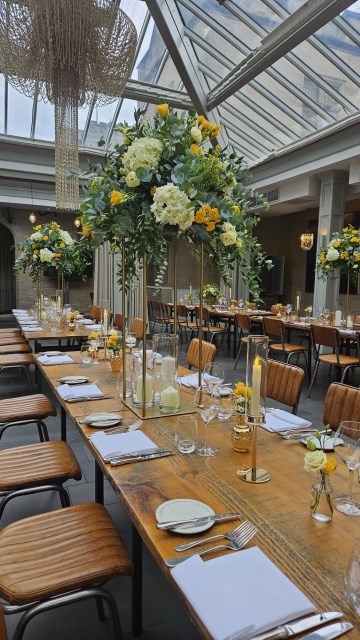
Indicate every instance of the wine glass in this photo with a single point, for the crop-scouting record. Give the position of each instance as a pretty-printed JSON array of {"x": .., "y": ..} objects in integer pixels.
[
  {"x": 95, "y": 343},
  {"x": 213, "y": 375},
  {"x": 288, "y": 309},
  {"x": 347, "y": 450},
  {"x": 130, "y": 340},
  {"x": 326, "y": 316},
  {"x": 207, "y": 407}
]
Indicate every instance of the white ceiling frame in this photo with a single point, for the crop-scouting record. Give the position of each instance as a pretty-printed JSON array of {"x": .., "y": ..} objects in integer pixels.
[
  {"x": 169, "y": 22},
  {"x": 295, "y": 29}
]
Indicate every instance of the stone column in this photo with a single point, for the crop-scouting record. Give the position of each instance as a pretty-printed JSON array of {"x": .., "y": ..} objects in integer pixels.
[{"x": 331, "y": 218}]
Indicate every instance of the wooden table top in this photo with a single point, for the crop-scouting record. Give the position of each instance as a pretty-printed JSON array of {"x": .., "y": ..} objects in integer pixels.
[
  {"x": 80, "y": 331},
  {"x": 313, "y": 555}
]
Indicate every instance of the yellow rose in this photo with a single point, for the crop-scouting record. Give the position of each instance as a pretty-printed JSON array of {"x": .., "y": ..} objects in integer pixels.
[
  {"x": 153, "y": 190},
  {"x": 355, "y": 232},
  {"x": 194, "y": 148},
  {"x": 36, "y": 251},
  {"x": 115, "y": 198},
  {"x": 62, "y": 244},
  {"x": 330, "y": 466},
  {"x": 336, "y": 245},
  {"x": 354, "y": 239},
  {"x": 163, "y": 110},
  {"x": 210, "y": 226},
  {"x": 45, "y": 238}
]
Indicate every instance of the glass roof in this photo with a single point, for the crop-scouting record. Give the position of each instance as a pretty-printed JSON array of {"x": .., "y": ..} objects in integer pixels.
[{"x": 206, "y": 52}]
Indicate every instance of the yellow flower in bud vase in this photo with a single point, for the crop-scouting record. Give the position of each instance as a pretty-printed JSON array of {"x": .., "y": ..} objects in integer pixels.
[
  {"x": 115, "y": 198},
  {"x": 163, "y": 110},
  {"x": 330, "y": 466}
]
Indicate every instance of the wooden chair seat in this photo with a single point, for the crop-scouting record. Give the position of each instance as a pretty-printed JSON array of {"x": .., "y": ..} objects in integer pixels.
[
  {"x": 16, "y": 359},
  {"x": 15, "y": 348},
  {"x": 11, "y": 339},
  {"x": 34, "y": 464},
  {"x": 287, "y": 347},
  {"x": 344, "y": 361},
  {"x": 10, "y": 331},
  {"x": 62, "y": 556}
]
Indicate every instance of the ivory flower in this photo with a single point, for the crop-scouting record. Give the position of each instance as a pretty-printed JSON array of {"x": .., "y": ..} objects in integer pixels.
[
  {"x": 132, "y": 180},
  {"x": 314, "y": 461}
]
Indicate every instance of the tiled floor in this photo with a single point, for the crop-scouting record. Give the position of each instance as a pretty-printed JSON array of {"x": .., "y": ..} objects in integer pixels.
[{"x": 163, "y": 615}]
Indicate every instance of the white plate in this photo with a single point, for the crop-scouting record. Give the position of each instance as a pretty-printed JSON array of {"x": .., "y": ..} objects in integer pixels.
[
  {"x": 328, "y": 444},
  {"x": 52, "y": 353},
  {"x": 182, "y": 509},
  {"x": 73, "y": 379},
  {"x": 101, "y": 420}
]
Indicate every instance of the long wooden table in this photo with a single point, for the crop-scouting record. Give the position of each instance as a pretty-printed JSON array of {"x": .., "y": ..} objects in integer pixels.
[
  {"x": 313, "y": 555},
  {"x": 80, "y": 332}
]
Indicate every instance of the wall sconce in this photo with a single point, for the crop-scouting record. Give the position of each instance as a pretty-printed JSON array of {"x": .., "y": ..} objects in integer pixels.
[
  {"x": 77, "y": 222},
  {"x": 306, "y": 241},
  {"x": 32, "y": 217}
]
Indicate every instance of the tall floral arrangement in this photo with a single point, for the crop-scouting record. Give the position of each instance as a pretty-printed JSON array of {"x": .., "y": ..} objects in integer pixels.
[
  {"x": 342, "y": 254},
  {"x": 166, "y": 180},
  {"x": 51, "y": 246}
]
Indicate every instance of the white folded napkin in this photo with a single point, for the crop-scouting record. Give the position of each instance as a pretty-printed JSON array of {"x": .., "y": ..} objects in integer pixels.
[
  {"x": 85, "y": 321},
  {"x": 279, "y": 420},
  {"x": 27, "y": 321},
  {"x": 67, "y": 391},
  {"x": 120, "y": 443},
  {"x": 95, "y": 327},
  {"x": 239, "y": 595},
  {"x": 348, "y": 331},
  {"x": 31, "y": 328},
  {"x": 191, "y": 380},
  {"x": 46, "y": 360}
]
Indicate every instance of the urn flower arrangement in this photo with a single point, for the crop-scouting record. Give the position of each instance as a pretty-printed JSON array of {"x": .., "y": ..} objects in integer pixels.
[
  {"x": 211, "y": 293},
  {"x": 51, "y": 246},
  {"x": 166, "y": 180},
  {"x": 114, "y": 343},
  {"x": 342, "y": 254},
  {"x": 317, "y": 461}
]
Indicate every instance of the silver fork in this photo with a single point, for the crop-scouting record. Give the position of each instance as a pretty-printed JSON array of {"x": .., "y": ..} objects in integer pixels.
[
  {"x": 120, "y": 429},
  {"x": 230, "y": 535},
  {"x": 234, "y": 545}
]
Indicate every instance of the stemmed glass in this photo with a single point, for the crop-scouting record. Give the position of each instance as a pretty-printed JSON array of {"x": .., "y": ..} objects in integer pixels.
[
  {"x": 130, "y": 340},
  {"x": 326, "y": 316},
  {"x": 95, "y": 343},
  {"x": 213, "y": 375},
  {"x": 288, "y": 310},
  {"x": 207, "y": 407},
  {"x": 347, "y": 450}
]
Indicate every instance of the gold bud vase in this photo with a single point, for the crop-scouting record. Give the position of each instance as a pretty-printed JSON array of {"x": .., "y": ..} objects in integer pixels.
[
  {"x": 241, "y": 435},
  {"x": 72, "y": 326},
  {"x": 116, "y": 363}
]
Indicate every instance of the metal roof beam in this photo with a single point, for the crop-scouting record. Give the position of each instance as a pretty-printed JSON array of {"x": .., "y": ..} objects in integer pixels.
[
  {"x": 169, "y": 22},
  {"x": 295, "y": 29},
  {"x": 147, "y": 92}
]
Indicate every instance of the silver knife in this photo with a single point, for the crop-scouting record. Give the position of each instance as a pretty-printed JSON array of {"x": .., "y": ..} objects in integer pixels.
[
  {"x": 149, "y": 456},
  {"x": 117, "y": 455},
  {"x": 85, "y": 398},
  {"x": 329, "y": 632},
  {"x": 203, "y": 520},
  {"x": 299, "y": 626}
]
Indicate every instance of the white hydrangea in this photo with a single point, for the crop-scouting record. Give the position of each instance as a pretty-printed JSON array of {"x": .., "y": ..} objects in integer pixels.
[
  {"x": 171, "y": 206},
  {"x": 46, "y": 255},
  {"x": 196, "y": 134},
  {"x": 229, "y": 236},
  {"x": 66, "y": 237},
  {"x": 143, "y": 153},
  {"x": 132, "y": 180},
  {"x": 36, "y": 236},
  {"x": 332, "y": 255}
]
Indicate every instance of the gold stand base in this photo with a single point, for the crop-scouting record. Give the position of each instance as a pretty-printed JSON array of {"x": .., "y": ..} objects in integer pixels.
[
  {"x": 154, "y": 412},
  {"x": 255, "y": 476}
]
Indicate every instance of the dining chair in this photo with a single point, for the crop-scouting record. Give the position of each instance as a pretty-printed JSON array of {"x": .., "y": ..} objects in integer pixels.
[
  {"x": 10, "y": 331},
  {"x": 274, "y": 329},
  {"x": 137, "y": 327},
  {"x": 57, "y": 558},
  {"x": 156, "y": 316},
  {"x": 37, "y": 468},
  {"x": 22, "y": 347},
  {"x": 184, "y": 323},
  {"x": 12, "y": 339},
  {"x": 330, "y": 337},
  {"x": 25, "y": 410},
  {"x": 208, "y": 328},
  {"x": 20, "y": 361},
  {"x": 119, "y": 321},
  {"x": 284, "y": 383},
  {"x": 193, "y": 355},
  {"x": 243, "y": 326},
  {"x": 95, "y": 312},
  {"x": 342, "y": 402},
  {"x": 169, "y": 321}
]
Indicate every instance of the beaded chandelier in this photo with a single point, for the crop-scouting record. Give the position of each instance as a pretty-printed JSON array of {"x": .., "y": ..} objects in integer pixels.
[{"x": 70, "y": 53}]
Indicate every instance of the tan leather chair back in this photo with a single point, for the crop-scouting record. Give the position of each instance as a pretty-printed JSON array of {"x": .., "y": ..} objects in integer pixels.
[
  {"x": 342, "y": 402},
  {"x": 242, "y": 321},
  {"x": 272, "y": 327},
  {"x": 284, "y": 383},
  {"x": 95, "y": 312},
  {"x": 119, "y": 321},
  {"x": 137, "y": 327},
  {"x": 208, "y": 353},
  {"x": 325, "y": 336}
]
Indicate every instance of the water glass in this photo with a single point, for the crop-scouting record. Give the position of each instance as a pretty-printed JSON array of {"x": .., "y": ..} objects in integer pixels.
[
  {"x": 186, "y": 433},
  {"x": 352, "y": 579},
  {"x": 227, "y": 403},
  {"x": 128, "y": 385},
  {"x": 85, "y": 355}
]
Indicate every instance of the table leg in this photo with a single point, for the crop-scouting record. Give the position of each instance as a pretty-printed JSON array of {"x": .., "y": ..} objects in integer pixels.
[
  {"x": 63, "y": 424},
  {"x": 136, "y": 610},
  {"x": 99, "y": 484}
]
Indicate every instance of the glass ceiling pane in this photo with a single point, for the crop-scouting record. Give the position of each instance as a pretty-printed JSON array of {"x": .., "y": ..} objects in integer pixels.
[
  {"x": 100, "y": 124},
  {"x": 2, "y": 104},
  {"x": 19, "y": 113},
  {"x": 44, "y": 126}
]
